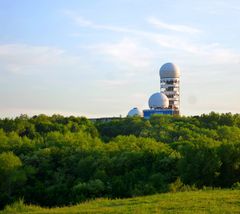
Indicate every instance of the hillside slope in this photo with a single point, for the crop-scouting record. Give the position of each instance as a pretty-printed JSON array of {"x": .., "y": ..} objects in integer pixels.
[{"x": 209, "y": 201}]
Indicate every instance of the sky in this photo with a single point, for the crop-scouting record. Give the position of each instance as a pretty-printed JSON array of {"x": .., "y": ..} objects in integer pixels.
[{"x": 100, "y": 58}]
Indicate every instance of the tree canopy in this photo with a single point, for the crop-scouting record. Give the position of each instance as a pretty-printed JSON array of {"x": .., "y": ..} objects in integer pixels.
[{"x": 57, "y": 160}]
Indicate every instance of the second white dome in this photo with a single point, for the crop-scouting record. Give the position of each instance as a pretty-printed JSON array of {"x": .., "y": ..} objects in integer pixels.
[{"x": 158, "y": 100}]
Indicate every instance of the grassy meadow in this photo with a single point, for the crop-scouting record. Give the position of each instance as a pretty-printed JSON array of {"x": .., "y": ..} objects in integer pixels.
[{"x": 205, "y": 201}]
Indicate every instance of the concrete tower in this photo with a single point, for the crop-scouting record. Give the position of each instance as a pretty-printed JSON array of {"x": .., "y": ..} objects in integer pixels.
[{"x": 169, "y": 85}]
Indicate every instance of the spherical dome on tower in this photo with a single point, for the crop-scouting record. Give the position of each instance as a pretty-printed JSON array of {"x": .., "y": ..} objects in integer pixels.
[
  {"x": 169, "y": 70},
  {"x": 134, "y": 112},
  {"x": 158, "y": 100}
]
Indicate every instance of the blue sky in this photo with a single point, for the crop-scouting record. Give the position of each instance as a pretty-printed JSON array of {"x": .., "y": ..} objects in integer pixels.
[{"x": 101, "y": 58}]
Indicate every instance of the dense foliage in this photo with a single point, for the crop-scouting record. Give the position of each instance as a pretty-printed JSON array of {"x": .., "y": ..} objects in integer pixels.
[{"x": 54, "y": 161}]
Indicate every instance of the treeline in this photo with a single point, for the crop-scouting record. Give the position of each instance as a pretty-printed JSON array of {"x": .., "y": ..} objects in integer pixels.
[{"x": 55, "y": 161}]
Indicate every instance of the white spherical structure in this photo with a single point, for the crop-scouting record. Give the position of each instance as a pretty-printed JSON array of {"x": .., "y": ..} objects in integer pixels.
[
  {"x": 169, "y": 70},
  {"x": 158, "y": 101},
  {"x": 134, "y": 112}
]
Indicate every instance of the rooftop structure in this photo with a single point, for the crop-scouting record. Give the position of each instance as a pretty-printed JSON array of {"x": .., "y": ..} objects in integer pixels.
[{"x": 167, "y": 101}]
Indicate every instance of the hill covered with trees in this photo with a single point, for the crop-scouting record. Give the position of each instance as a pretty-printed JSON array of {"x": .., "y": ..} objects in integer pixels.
[{"x": 56, "y": 161}]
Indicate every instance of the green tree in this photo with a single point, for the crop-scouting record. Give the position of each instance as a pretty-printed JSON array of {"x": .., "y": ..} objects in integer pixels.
[
  {"x": 200, "y": 163},
  {"x": 9, "y": 176}
]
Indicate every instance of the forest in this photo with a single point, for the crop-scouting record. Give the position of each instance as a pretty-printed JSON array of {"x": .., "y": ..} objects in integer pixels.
[{"x": 55, "y": 160}]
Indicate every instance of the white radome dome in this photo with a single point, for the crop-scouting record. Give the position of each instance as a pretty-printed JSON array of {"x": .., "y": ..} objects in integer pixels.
[
  {"x": 134, "y": 112},
  {"x": 169, "y": 70},
  {"x": 158, "y": 100}
]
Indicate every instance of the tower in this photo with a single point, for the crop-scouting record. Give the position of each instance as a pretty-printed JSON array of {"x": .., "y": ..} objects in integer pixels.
[
  {"x": 170, "y": 85},
  {"x": 167, "y": 101}
]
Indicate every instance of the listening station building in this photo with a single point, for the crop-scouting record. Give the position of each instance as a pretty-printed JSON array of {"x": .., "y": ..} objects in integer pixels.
[{"x": 167, "y": 100}]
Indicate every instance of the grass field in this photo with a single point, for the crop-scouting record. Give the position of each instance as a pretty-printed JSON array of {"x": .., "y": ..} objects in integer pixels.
[{"x": 208, "y": 201}]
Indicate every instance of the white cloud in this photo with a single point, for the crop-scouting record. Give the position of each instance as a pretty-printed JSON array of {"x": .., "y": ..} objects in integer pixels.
[
  {"x": 23, "y": 58},
  {"x": 178, "y": 28},
  {"x": 168, "y": 41},
  {"x": 113, "y": 83},
  {"x": 213, "y": 53},
  {"x": 126, "y": 52},
  {"x": 82, "y": 22},
  {"x": 219, "y": 55},
  {"x": 78, "y": 19}
]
